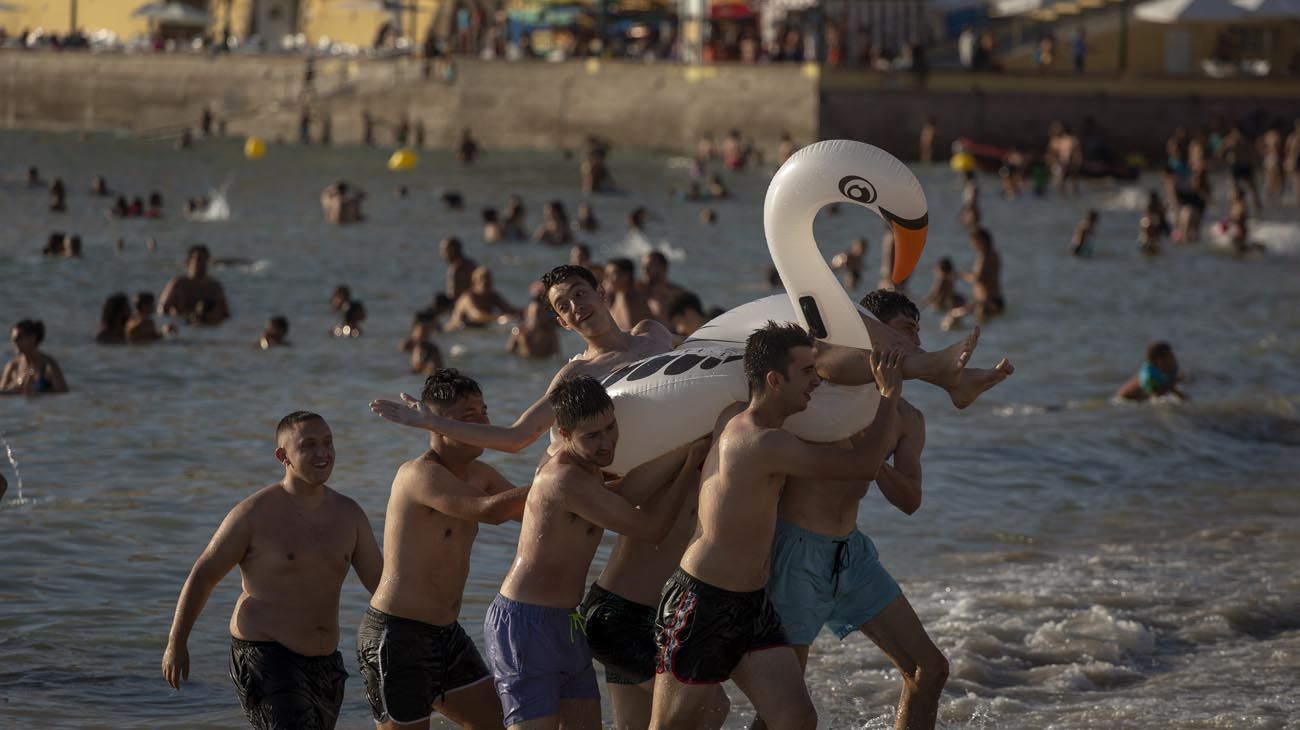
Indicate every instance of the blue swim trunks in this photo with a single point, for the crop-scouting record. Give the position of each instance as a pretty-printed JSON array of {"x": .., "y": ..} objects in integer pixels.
[
  {"x": 538, "y": 656},
  {"x": 837, "y": 582}
]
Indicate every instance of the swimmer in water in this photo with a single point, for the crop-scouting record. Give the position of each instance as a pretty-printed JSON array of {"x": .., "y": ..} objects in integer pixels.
[
  {"x": 72, "y": 246},
  {"x": 513, "y": 219},
  {"x": 460, "y": 268},
  {"x": 537, "y": 644},
  {"x": 275, "y": 334},
  {"x": 31, "y": 372},
  {"x": 481, "y": 305},
  {"x": 850, "y": 262},
  {"x": 716, "y": 620},
  {"x": 1081, "y": 242},
  {"x": 654, "y": 285},
  {"x": 1158, "y": 376},
  {"x": 113, "y": 318},
  {"x": 353, "y": 315},
  {"x": 340, "y": 298},
  {"x": 626, "y": 302},
  {"x": 492, "y": 230},
  {"x": 293, "y": 542},
  {"x": 580, "y": 255},
  {"x": 555, "y": 229},
  {"x": 586, "y": 218},
  {"x": 58, "y": 196},
  {"x": 195, "y": 296},
  {"x": 985, "y": 276},
  {"x": 415, "y": 657},
  {"x": 537, "y": 336},
  {"x": 827, "y": 573},
  {"x": 141, "y": 328}
]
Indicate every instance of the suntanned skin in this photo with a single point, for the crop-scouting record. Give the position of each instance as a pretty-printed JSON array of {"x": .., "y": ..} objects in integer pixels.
[
  {"x": 293, "y": 542},
  {"x": 22, "y": 373},
  {"x": 743, "y": 477},
  {"x": 829, "y": 507},
  {"x": 627, "y": 303},
  {"x": 182, "y": 294},
  {"x": 480, "y": 304},
  {"x": 654, "y": 286},
  {"x": 434, "y": 510},
  {"x": 569, "y": 508}
]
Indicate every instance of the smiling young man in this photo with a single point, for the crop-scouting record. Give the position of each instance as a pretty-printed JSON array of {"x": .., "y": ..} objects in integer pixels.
[
  {"x": 535, "y": 640},
  {"x": 293, "y": 542},
  {"x": 414, "y": 655},
  {"x": 716, "y": 621}
]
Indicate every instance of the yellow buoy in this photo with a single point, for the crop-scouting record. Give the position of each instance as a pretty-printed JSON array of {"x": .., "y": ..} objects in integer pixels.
[
  {"x": 403, "y": 159},
  {"x": 254, "y": 148},
  {"x": 962, "y": 162}
]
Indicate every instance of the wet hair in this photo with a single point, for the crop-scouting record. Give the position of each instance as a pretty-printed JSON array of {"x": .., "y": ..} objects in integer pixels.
[
  {"x": 1157, "y": 350},
  {"x": 945, "y": 265},
  {"x": 446, "y": 386},
  {"x": 143, "y": 300},
  {"x": 683, "y": 303},
  {"x": 659, "y": 257},
  {"x": 196, "y": 250},
  {"x": 625, "y": 266},
  {"x": 577, "y": 399},
  {"x": 114, "y": 314},
  {"x": 562, "y": 274},
  {"x": 33, "y": 327},
  {"x": 289, "y": 422},
  {"x": 982, "y": 235},
  {"x": 887, "y": 304},
  {"x": 768, "y": 349},
  {"x": 281, "y": 323}
]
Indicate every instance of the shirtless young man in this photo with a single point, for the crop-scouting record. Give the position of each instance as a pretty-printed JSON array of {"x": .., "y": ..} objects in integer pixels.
[
  {"x": 825, "y": 572},
  {"x": 627, "y": 303},
  {"x": 480, "y": 305},
  {"x": 195, "y": 295},
  {"x": 536, "y": 643},
  {"x": 655, "y": 286},
  {"x": 716, "y": 621},
  {"x": 293, "y": 542},
  {"x": 414, "y": 655}
]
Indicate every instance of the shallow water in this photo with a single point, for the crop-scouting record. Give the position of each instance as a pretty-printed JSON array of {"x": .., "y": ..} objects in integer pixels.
[{"x": 1082, "y": 564}]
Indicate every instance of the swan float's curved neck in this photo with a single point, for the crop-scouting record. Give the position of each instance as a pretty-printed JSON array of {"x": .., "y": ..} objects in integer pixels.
[{"x": 837, "y": 171}]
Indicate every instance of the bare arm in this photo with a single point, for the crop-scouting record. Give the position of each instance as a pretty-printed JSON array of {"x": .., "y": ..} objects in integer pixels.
[
  {"x": 599, "y": 506},
  {"x": 516, "y": 437},
  {"x": 644, "y": 481},
  {"x": 367, "y": 560},
  {"x": 167, "y": 300},
  {"x": 900, "y": 483},
  {"x": 55, "y": 376},
  {"x": 434, "y": 486},
  {"x": 223, "y": 308},
  {"x": 224, "y": 552}
]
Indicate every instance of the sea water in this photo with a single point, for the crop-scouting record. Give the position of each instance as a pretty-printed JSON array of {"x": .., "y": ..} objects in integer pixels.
[{"x": 1081, "y": 564}]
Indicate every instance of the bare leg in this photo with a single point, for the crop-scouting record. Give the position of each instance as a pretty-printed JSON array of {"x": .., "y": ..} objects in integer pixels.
[
  {"x": 680, "y": 706},
  {"x": 773, "y": 681},
  {"x": 899, "y": 634},
  {"x": 473, "y": 707},
  {"x": 631, "y": 705},
  {"x": 801, "y": 652},
  {"x": 580, "y": 714}
]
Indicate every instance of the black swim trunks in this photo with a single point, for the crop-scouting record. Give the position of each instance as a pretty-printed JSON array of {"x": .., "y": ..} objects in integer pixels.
[
  {"x": 282, "y": 690},
  {"x": 703, "y": 631},
  {"x": 621, "y": 634},
  {"x": 408, "y": 665}
]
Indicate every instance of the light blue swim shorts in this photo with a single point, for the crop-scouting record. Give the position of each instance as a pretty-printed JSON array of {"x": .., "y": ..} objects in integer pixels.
[{"x": 816, "y": 581}]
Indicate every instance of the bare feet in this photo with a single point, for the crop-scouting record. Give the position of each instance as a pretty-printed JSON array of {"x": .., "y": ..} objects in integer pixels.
[
  {"x": 972, "y": 382},
  {"x": 950, "y": 361}
]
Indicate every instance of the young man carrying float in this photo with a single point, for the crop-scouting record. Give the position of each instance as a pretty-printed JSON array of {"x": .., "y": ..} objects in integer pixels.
[
  {"x": 535, "y": 641},
  {"x": 293, "y": 542},
  {"x": 629, "y": 587},
  {"x": 715, "y": 619},
  {"x": 414, "y": 655},
  {"x": 825, "y": 572}
]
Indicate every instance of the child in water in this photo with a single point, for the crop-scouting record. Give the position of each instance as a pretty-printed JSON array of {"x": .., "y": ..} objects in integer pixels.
[{"x": 1158, "y": 376}]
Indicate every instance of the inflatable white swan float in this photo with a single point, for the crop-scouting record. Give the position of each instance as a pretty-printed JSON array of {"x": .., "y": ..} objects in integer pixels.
[{"x": 669, "y": 400}]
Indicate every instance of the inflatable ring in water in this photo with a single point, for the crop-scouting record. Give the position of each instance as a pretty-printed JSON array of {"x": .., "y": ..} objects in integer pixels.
[{"x": 668, "y": 400}]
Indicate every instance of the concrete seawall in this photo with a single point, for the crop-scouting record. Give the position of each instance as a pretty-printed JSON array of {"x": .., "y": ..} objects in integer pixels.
[{"x": 648, "y": 106}]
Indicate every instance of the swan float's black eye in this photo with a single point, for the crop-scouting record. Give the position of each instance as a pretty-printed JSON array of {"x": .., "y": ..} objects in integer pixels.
[{"x": 858, "y": 189}]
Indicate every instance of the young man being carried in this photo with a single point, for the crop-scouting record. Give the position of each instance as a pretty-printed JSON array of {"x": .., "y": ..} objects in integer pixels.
[
  {"x": 715, "y": 619},
  {"x": 414, "y": 655},
  {"x": 825, "y": 572},
  {"x": 293, "y": 542},
  {"x": 535, "y": 640}
]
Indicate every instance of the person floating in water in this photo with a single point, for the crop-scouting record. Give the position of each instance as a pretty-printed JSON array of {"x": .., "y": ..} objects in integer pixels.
[
  {"x": 293, "y": 542},
  {"x": 276, "y": 333},
  {"x": 32, "y": 372},
  {"x": 1158, "y": 376},
  {"x": 195, "y": 296}
]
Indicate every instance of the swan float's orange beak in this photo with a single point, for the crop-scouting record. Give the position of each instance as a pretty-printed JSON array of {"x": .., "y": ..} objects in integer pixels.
[{"x": 909, "y": 242}]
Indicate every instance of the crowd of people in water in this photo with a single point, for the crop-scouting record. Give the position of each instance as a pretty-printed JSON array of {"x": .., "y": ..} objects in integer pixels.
[{"x": 718, "y": 573}]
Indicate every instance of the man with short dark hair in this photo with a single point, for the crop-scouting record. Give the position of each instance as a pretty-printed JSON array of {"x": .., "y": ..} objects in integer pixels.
[
  {"x": 654, "y": 285},
  {"x": 828, "y": 573},
  {"x": 195, "y": 296},
  {"x": 415, "y": 657},
  {"x": 627, "y": 303},
  {"x": 293, "y": 542},
  {"x": 536, "y": 643},
  {"x": 686, "y": 314},
  {"x": 716, "y": 621}
]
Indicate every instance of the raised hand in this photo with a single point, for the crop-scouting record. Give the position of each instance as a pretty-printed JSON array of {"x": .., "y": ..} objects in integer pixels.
[
  {"x": 887, "y": 370},
  {"x": 410, "y": 412}
]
